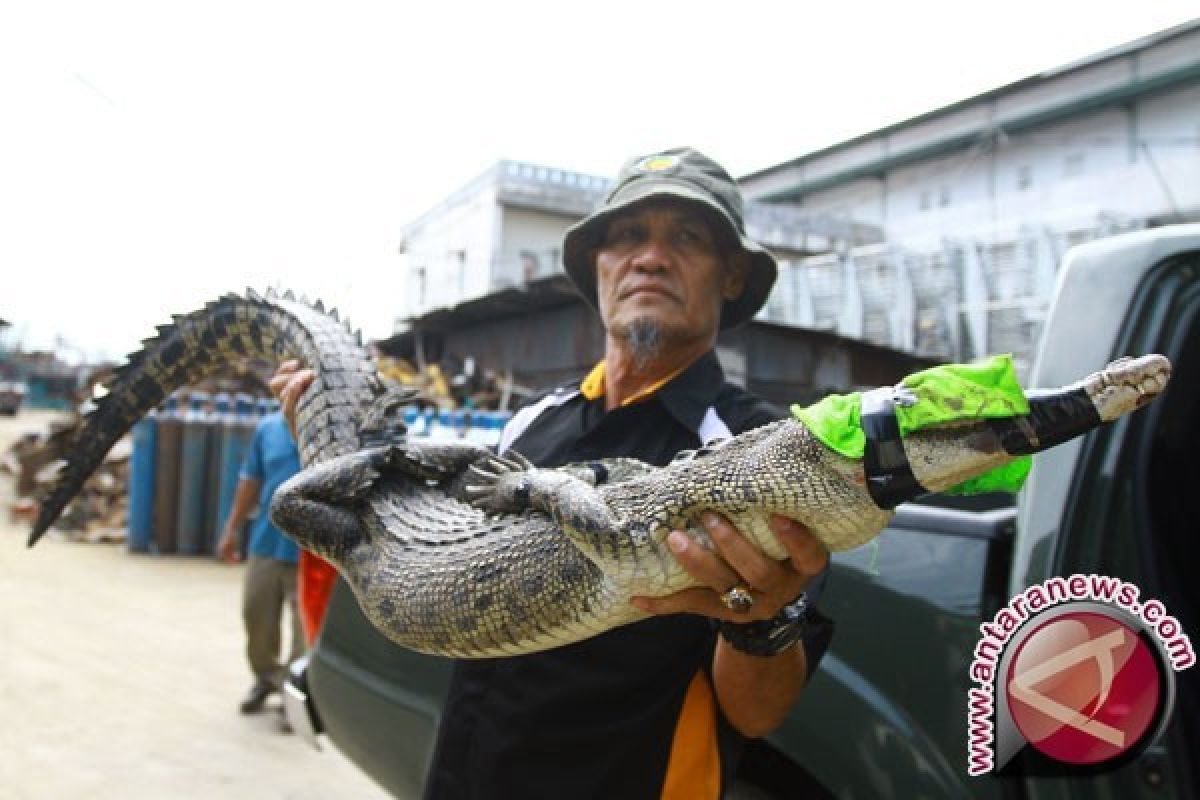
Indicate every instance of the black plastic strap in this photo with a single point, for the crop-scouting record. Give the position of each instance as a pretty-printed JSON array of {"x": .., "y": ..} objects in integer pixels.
[
  {"x": 599, "y": 473},
  {"x": 1054, "y": 417},
  {"x": 890, "y": 478}
]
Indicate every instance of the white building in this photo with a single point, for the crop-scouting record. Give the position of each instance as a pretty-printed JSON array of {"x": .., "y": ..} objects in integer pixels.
[
  {"x": 502, "y": 229},
  {"x": 505, "y": 229},
  {"x": 978, "y": 200}
]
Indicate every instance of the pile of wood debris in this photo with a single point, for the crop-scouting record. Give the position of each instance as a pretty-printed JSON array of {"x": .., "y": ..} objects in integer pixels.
[{"x": 99, "y": 512}]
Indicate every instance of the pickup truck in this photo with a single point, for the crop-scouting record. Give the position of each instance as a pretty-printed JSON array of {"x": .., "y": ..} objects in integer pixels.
[{"x": 885, "y": 715}]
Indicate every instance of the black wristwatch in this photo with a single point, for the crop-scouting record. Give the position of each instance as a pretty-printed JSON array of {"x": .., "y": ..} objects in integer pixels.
[{"x": 798, "y": 621}]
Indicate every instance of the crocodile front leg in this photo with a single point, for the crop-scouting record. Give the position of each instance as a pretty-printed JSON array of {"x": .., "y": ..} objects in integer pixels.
[
  {"x": 318, "y": 506},
  {"x": 567, "y": 495}
]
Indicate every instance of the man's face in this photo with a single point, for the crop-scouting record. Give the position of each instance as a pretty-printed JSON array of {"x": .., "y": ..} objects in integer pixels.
[{"x": 659, "y": 263}]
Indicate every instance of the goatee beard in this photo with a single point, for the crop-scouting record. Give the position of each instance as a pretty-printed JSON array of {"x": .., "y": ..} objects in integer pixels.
[{"x": 643, "y": 339}]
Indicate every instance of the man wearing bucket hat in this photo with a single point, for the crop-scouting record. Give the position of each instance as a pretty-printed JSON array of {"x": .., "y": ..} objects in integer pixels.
[
  {"x": 659, "y": 708},
  {"x": 655, "y": 709},
  {"x": 684, "y": 179}
]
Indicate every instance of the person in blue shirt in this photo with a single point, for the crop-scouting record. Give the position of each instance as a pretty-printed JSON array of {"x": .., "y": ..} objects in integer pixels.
[{"x": 270, "y": 582}]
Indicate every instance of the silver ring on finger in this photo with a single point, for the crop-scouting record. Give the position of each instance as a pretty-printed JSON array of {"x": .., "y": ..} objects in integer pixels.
[{"x": 739, "y": 600}]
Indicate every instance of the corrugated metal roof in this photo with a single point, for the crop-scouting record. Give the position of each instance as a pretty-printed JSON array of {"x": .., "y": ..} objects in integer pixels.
[{"x": 1109, "y": 54}]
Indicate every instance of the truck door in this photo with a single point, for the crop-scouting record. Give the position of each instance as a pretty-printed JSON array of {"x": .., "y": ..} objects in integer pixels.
[{"x": 1132, "y": 515}]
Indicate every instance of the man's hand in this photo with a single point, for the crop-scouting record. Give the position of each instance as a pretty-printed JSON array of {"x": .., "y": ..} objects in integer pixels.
[
  {"x": 227, "y": 548},
  {"x": 737, "y": 561},
  {"x": 287, "y": 384}
]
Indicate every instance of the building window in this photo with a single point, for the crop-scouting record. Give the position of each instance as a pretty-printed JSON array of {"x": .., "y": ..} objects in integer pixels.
[
  {"x": 419, "y": 273},
  {"x": 461, "y": 257},
  {"x": 944, "y": 196},
  {"x": 925, "y": 201},
  {"x": 1024, "y": 177},
  {"x": 529, "y": 266},
  {"x": 1073, "y": 165}
]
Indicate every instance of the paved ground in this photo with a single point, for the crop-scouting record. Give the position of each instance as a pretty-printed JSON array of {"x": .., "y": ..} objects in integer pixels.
[{"x": 120, "y": 677}]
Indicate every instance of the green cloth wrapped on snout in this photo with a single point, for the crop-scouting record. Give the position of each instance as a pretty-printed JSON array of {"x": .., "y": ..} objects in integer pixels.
[{"x": 986, "y": 389}]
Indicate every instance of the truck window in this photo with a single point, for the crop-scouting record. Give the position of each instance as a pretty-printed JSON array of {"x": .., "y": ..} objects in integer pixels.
[
  {"x": 1171, "y": 487},
  {"x": 1132, "y": 511}
]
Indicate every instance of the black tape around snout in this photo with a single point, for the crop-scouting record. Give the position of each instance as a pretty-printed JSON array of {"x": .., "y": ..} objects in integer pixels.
[
  {"x": 599, "y": 473},
  {"x": 890, "y": 479},
  {"x": 1055, "y": 416}
]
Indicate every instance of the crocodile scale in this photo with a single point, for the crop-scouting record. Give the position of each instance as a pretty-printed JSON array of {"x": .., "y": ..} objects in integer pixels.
[{"x": 455, "y": 551}]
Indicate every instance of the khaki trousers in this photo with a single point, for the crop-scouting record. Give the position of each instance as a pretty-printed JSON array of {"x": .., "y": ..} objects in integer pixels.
[{"x": 269, "y": 586}]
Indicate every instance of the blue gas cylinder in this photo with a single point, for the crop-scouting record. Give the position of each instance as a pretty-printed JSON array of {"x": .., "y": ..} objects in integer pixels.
[
  {"x": 235, "y": 435},
  {"x": 496, "y": 422},
  {"x": 141, "y": 483},
  {"x": 193, "y": 474},
  {"x": 168, "y": 437},
  {"x": 214, "y": 423},
  {"x": 441, "y": 427}
]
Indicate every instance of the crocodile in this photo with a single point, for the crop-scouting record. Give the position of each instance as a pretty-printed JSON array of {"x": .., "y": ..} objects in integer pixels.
[{"x": 454, "y": 550}]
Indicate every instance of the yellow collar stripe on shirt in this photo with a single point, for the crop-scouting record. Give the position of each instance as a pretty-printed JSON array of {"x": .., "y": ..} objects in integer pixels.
[{"x": 593, "y": 385}]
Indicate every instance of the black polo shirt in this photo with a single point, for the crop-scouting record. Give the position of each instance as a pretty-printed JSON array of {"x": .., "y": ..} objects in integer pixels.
[{"x": 595, "y": 719}]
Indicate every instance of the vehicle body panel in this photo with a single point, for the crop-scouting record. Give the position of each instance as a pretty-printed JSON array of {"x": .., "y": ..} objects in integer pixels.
[
  {"x": 886, "y": 714},
  {"x": 384, "y": 701},
  {"x": 1095, "y": 287},
  {"x": 877, "y": 720}
]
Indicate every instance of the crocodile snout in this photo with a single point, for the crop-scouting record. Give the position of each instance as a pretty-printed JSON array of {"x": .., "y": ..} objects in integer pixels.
[{"x": 1128, "y": 384}]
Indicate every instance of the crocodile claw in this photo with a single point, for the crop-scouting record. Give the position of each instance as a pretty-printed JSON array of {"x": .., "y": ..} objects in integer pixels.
[
  {"x": 521, "y": 460},
  {"x": 482, "y": 473},
  {"x": 502, "y": 487},
  {"x": 478, "y": 496},
  {"x": 503, "y": 464}
]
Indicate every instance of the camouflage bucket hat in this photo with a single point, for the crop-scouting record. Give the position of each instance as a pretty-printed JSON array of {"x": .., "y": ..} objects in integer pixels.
[{"x": 691, "y": 176}]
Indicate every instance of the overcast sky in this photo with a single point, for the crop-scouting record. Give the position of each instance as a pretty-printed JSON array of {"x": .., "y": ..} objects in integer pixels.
[{"x": 155, "y": 155}]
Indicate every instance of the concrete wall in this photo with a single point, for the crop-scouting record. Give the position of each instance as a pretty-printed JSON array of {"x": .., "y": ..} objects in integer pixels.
[
  {"x": 476, "y": 246},
  {"x": 530, "y": 245},
  {"x": 448, "y": 255},
  {"x": 502, "y": 229},
  {"x": 1141, "y": 161}
]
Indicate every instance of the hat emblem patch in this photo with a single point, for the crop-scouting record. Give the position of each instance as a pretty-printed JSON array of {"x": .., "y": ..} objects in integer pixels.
[{"x": 659, "y": 163}]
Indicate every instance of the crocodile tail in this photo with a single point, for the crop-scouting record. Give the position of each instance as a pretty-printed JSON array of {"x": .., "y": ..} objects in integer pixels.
[{"x": 193, "y": 346}]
